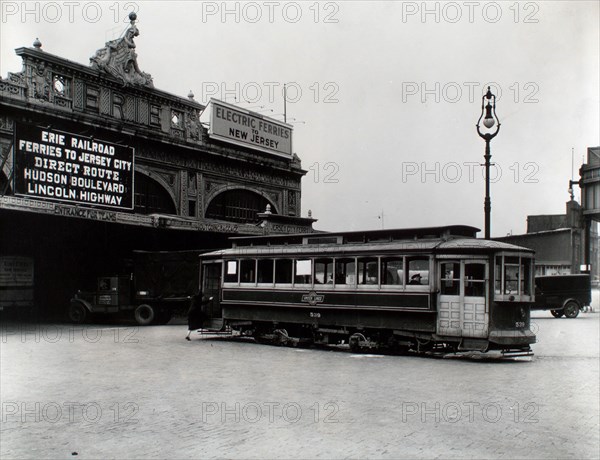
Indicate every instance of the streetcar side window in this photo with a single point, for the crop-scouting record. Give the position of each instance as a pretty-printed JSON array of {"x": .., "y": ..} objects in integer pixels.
[
  {"x": 511, "y": 275},
  {"x": 231, "y": 271},
  {"x": 283, "y": 271},
  {"x": 324, "y": 271},
  {"x": 450, "y": 278},
  {"x": 367, "y": 270},
  {"x": 345, "y": 271},
  {"x": 392, "y": 271},
  {"x": 418, "y": 270},
  {"x": 248, "y": 271},
  {"x": 474, "y": 279},
  {"x": 303, "y": 272},
  {"x": 265, "y": 271}
]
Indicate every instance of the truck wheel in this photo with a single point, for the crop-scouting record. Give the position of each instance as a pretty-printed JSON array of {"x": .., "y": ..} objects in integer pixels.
[
  {"x": 77, "y": 313},
  {"x": 571, "y": 309},
  {"x": 557, "y": 313},
  {"x": 144, "y": 314}
]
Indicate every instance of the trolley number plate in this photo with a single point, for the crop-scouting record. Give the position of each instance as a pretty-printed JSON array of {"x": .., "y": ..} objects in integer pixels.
[
  {"x": 520, "y": 324},
  {"x": 314, "y": 314}
]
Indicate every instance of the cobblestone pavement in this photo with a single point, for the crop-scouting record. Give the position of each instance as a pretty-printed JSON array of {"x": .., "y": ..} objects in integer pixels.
[{"x": 127, "y": 392}]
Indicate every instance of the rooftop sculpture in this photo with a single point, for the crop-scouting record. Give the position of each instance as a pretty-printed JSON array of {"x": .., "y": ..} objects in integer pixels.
[{"x": 119, "y": 59}]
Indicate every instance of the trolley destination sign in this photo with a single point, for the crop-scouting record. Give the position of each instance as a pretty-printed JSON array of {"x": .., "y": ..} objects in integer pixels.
[
  {"x": 61, "y": 166},
  {"x": 235, "y": 125}
]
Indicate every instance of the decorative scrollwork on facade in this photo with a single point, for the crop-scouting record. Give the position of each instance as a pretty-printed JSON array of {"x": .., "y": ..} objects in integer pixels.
[
  {"x": 292, "y": 199},
  {"x": 274, "y": 197},
  {"x": 7, "y": 123},
  {"x": 249, "y": 174},
  {"x": 183, "y": 175},
  {"x": 17, "y": 78},
  {"x": 62, "y": 102},
  {"x": 208, "y": 186},
  {"x": 177, "y": 133},
  {"x": 7, "y": 87}
]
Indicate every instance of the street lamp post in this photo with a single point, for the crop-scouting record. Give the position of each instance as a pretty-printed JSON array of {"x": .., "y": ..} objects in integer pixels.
[{"x": 489, "y": 121}]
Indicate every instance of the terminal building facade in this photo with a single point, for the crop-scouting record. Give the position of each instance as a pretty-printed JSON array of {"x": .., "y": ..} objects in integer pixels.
[{"x": 96, "y": 162}]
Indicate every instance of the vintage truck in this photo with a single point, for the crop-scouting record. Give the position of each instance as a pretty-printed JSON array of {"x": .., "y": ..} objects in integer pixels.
[
  {"x": 562, "y": 294},
  {"x": 158, "y": 284}
]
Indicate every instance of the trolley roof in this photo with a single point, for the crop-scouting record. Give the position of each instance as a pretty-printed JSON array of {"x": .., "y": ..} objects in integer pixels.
[
  {"x": 456, "y": 239},
  {"x": 361, "y": 236}
]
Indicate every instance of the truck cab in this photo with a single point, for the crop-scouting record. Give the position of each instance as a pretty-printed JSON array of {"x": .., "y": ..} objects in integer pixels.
[
  {"x": 155, "y": 285},
  {"x": 563, "y": 295}
]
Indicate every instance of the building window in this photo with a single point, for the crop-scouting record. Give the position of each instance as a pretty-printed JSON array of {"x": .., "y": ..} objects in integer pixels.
[
  {"x": 237, "y": 206},
  {"x": 61, "y": 86},
  {"x": 192, "y": 208},
  {"x": 151, "y": 197},
  {"x": 92, "y": 95},
  {"x": 176, "y": 119},
  {"x": 155, "y": 115}
]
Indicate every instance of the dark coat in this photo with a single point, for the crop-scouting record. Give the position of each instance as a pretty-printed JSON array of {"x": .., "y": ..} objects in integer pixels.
[{"x": 197, "y": 313}]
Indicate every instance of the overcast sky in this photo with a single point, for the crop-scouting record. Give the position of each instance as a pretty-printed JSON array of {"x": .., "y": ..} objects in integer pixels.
[{"x": 384, "y": 96}]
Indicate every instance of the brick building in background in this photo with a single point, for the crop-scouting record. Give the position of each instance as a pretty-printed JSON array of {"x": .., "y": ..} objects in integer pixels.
[{"x": 559, "y": 241}]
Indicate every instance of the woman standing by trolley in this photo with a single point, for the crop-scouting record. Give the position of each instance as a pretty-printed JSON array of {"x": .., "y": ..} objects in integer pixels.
[{"x": 196, "y": 315}]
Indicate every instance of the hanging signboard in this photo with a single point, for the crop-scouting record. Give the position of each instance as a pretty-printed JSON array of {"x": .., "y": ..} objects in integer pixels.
[
  {"x": 238, "y": 126},
  {"x": 61, "y": 166}
]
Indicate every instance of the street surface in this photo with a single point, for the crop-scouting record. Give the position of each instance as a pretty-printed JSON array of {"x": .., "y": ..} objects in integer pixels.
[{"x": 103, "y": 391}]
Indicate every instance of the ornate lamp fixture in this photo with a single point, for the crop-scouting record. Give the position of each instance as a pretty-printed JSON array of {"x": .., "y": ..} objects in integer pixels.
[{"x": 489, "y": 121}]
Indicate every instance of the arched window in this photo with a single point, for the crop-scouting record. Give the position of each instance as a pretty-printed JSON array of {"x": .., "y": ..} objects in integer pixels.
[
  {"x": 151, "y": 197},
  {"x": 237, "y": 206}
]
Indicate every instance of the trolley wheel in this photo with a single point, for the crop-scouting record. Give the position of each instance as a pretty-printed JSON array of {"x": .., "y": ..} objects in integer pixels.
[
  {"x": 77, "y": 313},
  {"x": 571, "y": 309},
  {"x": 354, "y": 346},
  {"x": 557, "y": 313},
  {"x": 355, "y": 341},
  {"x": 144, "y": 314}
]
